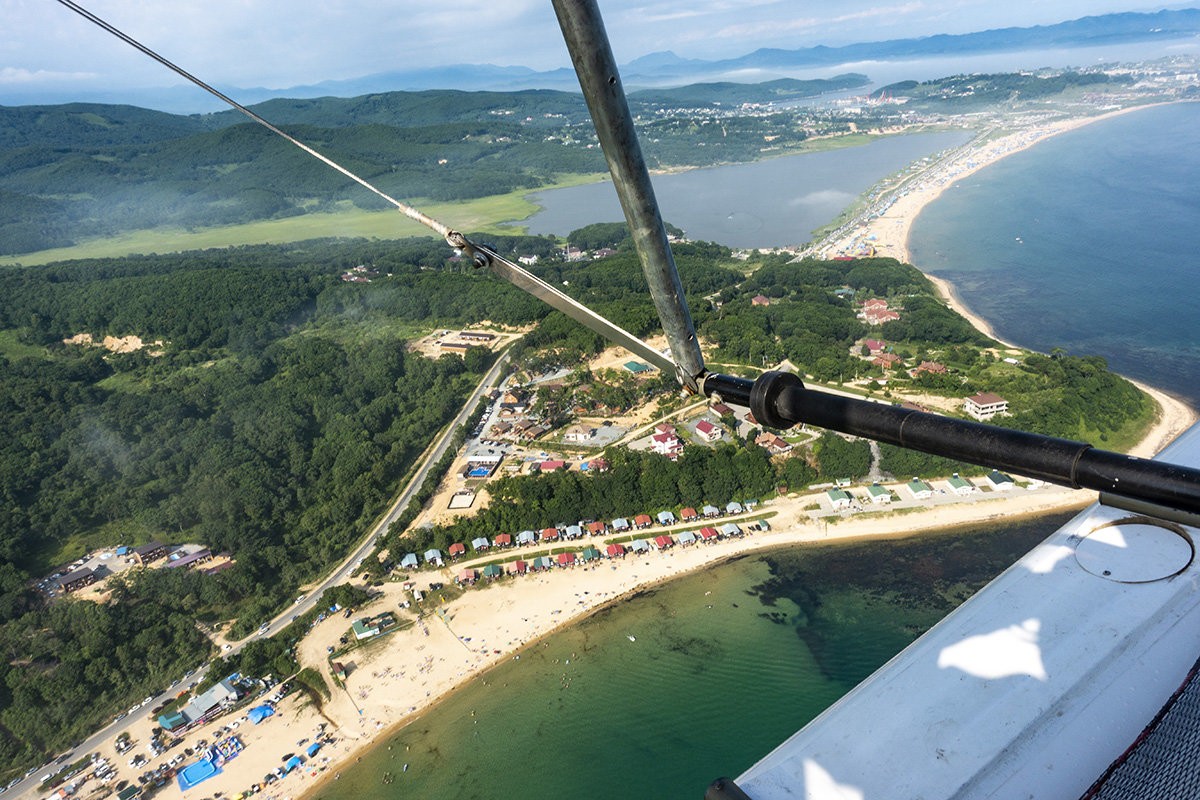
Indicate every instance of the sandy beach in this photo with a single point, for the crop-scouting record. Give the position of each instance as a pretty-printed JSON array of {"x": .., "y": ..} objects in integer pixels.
[
  {"x": 888, "y": 232},
  {"x": 395, "y": 680}
]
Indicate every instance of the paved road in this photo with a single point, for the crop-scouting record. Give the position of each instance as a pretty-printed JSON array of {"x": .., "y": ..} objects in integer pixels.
[
  {"x": 340, "y": 575},
  {"x": 347, "y": 568}
]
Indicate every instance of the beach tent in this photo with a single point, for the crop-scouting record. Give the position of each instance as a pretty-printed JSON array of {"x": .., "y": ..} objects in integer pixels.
[
  {"x": 291, "y": 764},
  {"x": 409, "y": 561},
  {"x": 312, "y": 749},
  {"x": 259, "y": 713}
]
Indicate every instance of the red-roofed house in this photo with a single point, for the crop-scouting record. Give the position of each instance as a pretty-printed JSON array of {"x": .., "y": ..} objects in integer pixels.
[
  {"x": 720, "y": 409},
  {"x": 709, "y": 431},
  {"x": 931, "y": 367},
  {"x": 503, "y": 540},
  {"x": 516, "y": 567},
  {"x": 874, "y": 346},
  {"x": 616, "y": 551},
  {"x": 566, "y": 559},
  {"x": 457, "y": 549},
  {"x": 663, "y": 542},
  {"x": 688, "y": 514},
  {"x": 985, "y": 405},
  {"x": 665, "y": 443},
  {"x": 549, "y": 534},
  {"x": 468, "y": 576},
  {"x": 597, "y": 528},
  {"x": 707, "y": 534},
  {"x": 550, "y": 466},
  {"x": 880, "y": 317},
  {"x": 887, "y": 360},
  {"x": 642, "y": 521}
]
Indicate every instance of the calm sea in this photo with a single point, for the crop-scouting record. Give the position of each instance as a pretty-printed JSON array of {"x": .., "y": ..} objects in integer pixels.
[
  {"x": 1085, "y": 242},
  {"x": 768, "y": 203},
  {"x": 725, "y": 665}
]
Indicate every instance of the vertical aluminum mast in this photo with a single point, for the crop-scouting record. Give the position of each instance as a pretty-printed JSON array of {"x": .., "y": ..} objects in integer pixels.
[{"x": 583, "y": 31}]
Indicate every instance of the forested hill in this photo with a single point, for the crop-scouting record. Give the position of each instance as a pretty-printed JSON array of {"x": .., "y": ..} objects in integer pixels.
[
  {"x": 76, "y": 172},
  {"x": 82, "y": 125}
]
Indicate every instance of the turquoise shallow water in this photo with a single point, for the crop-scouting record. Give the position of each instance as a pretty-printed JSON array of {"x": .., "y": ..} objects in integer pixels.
[
  {"x": 726, "y": 664},
  {"x": 1086, "y": 242}
]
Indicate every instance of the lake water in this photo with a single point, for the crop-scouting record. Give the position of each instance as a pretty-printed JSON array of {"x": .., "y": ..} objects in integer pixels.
[
  {"x": 726, "y": 665},
  {"x": 768, "y": 203},
  {"x": 1085, "y": 242}
]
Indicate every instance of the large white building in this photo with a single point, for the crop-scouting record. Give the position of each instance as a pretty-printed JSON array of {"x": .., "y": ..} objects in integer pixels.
[{"x": 985, "y": 405}]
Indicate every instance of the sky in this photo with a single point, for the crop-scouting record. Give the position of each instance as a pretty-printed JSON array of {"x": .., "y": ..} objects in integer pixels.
[{"x": 283, "y": 43}]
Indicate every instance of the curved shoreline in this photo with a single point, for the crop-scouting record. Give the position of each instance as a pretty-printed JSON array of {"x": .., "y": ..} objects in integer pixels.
[{"x": 419, "y": 671}]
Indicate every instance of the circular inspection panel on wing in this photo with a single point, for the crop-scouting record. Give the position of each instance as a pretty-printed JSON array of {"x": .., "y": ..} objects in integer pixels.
[{"x": 1135, "y": 550}]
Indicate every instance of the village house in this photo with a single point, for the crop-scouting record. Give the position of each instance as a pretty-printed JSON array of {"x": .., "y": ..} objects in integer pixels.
[
  {"x": 708, "y": 431},
  {"x": 760, "y": 300},
  {"x": 839, "y": 499},
  {"x": 149, "y": 553},
  {"x": 76, "y": 580},
  {"x": 985, "y": 405},
  {"x": 886, "y": 360},
  {"x": 772, "y": 443},
  {"x": 932, "y": 367},
  {"x": 580, "y": 433}
]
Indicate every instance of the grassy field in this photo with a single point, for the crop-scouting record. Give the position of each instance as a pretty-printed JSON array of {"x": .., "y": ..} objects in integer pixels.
[
  {"x": 482, "y": 215},
  {"x": 12, "y": 348}
]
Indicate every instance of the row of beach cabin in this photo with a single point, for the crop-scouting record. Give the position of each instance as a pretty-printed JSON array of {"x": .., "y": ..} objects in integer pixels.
[
  {"x": 592, "y": 554},
  {"x": 570, "y": 532},
  {"x": 996, "y": 481}
]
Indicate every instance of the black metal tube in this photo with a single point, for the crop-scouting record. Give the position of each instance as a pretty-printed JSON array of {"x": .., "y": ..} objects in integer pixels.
[
  {"x": 779, "y": 400},
  {"x": 583, "y": 31}
]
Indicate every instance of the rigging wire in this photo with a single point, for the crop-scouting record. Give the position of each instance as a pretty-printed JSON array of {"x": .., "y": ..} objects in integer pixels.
[
  {"x": 480, "y": 255},
  {"x": 454, "y": 238}
]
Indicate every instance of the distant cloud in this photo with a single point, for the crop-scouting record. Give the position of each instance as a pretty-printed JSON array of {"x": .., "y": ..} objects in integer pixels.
[{"x": 16, "y": 76}]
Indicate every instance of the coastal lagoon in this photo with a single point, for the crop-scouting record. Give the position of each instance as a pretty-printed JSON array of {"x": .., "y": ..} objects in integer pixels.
[
  {"x": 1084, "y": 242},
  {"x": 769, "y": 203},
  {"x": 697, "y": 678}
]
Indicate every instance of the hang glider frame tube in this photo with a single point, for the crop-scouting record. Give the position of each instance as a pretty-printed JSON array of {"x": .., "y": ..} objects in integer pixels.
[{"x": 587, "y": 41}]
